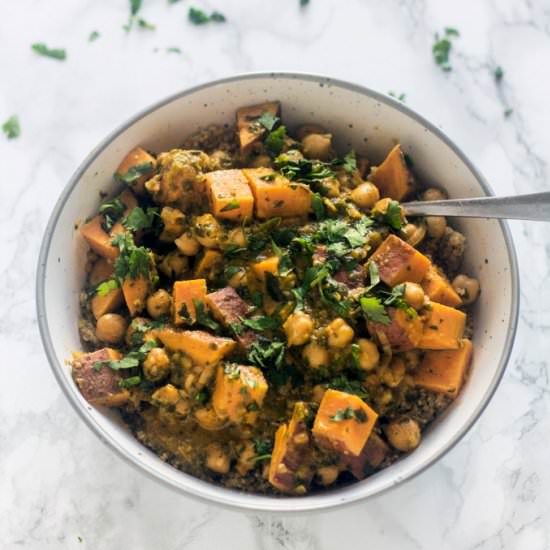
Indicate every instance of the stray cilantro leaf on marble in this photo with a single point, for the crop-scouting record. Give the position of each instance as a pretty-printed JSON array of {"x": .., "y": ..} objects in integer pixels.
[
  {"x": 135, "y": 6},
  {"x": 11, "y": 127},
  {"x": 173, "y": 50},
  {"x": 94, "y": 35},
  {"x": 55, "y": 53},
  {"x": 442, "y": 48},
  {"x": 499, "y": 73},
  {"x": 508, "y": 112},
  {"x": 401, "y": 97},
  {"x": 199, "y": 17},
  {"x": 304, "y": 3},
  {"x": 143, "y": 24}
]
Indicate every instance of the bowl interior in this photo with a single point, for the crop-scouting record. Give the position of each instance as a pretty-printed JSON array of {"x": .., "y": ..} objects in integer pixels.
[{"x": 358, "y": 119}]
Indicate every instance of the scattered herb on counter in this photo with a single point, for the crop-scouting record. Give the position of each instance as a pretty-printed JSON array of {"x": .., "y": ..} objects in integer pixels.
[
  {"x": 135, "y": 6},
  {"x": 199, "y": 17},
  {"x": 508, "y": 112},
  {"x": 11, "y": 127},
  {"x": 499, "y": 74},
  {"x": 401, "y": 97},
  {"x": 143, "y": 24},
  {"x": 173, "y": 50},
  {"x": 442, "y": 48},
  {"x": 93, "y": 36},
  {"x": 55, "y": 53},
  {"x": 304, "y": 3}
]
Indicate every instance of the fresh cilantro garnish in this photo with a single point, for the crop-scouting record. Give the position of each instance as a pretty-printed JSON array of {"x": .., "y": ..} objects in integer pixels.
[
  {"x": 233, "y": 204},
  {"x": 273, "y": 287},
  {"x": 395, "y": 299},
  {"x": 267, "y": 354},
  {"x": 350, "y": 162},
  {"x": 231, "y": 271},
  {"x": 261, "y": 323},
  {"x": 93, "y": 36},
  {"x": 348, "y": 413},
  {"x": 11, "y": 127},
  {"x": 133, "y": 261},
  {"x": 139, "y": 219},
  {"x": 304, "y": 170},
  {"x": 318, "y": 206},
  {"x": 263, "y": 446},
  {"x": 131, "y": 360},
  {"x": 143, "y": 24},
  {"x": 203, "y": 318},
  {"x": 304, "y": 3},
  {"x": 343, "y": 383},
  {"x": 173, "y": 50},
  {"x": 201, "y": 396},
  {"x": 199, "y": 17},
  {"x": 268, "y": 121},
  {"x": 134, "y": 173},
  {"x": 355, "y": 353},
  {"x": 442, "y": 48},
  {"x": 392, "y": 216},
  {"x": 106, "y": 286},
  {"x": 401, "y": 97},
  {"x": 112, "y": 211},
  {"x": 275, "y": 140},
  {"x": 55, "y": 53},
  {"x": 129, "y": 382},
  {"x": 135, "y": 6},
  {"x": 374, "y": 310},
  {"x": 499, "y": 73},
  {"x": 408, "y": 160},
  {"x": 374, "y": 275}
]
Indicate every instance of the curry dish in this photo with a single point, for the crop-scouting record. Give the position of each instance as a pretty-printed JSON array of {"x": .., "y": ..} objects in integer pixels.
[{"x": 263, "y": 315}]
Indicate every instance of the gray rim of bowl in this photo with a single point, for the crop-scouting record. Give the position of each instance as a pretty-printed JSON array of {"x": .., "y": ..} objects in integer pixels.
[{"x": 229, "y": 498}]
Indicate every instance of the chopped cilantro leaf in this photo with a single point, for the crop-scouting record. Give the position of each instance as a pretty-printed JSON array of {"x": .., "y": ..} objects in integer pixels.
[
  {"x": 11, "y": 127},
  {"x": 133, "y": 261},
  {"x": 393, "y": 216},
  {"x": 112, "y": 210},
  {"x": 203, "y": 318},
  {"x": 343, "y": 383},
  {"x": 374, "y": 310},
  {"x": 348, "y": 413},
  {"x": 173, "y": 50},
  {"x": 129, "y": 382},
  {"x": 273, "y": 287},
  {"x": 233, "y": 204},
  {"x": 135, "y": 6},
  {"x": 499, "y": 73},
  {"x": 199, "y": 17},
  {"x": 442, "y": 48},
  {"x": 143, "y": 24},
  {"x": 318, "y": 206},
  {"x": 268, "y": 121},
  {"x": 267, "y": 354},
  {"x": 408, "y": 160},
  {"x": 93, "y": 36},
  {"x": 263, "y": 446},
  {"x": 134, "y": 173},
  {"x": 55, "y": 53},
  {"x": 261, "y": 323},
  {"x": 275, "y": 140},
  {"x": 374, "y": 275},
  {"x": 350, "y": 162},
  {"x": 106, "y": 286},
  {"x": 139, "y": 219}
]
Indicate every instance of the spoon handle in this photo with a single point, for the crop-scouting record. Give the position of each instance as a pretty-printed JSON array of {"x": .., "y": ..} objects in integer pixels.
[{"x": 534, "y": 207}]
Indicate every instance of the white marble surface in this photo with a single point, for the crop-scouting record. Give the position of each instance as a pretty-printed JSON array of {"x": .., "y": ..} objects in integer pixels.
[{"x": 60, "y": 487}]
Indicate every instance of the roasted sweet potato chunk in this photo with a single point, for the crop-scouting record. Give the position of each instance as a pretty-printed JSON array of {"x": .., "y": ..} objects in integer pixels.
[
  {"x": 98, "y": 383},
  {"x": 183, "y": 296},
  {"x": 269, "y": 265},
  {"x": 445, "y": 371},
  {"x": 392, "y": 177},
  {"x": 208, "y": 265},
  {"x": 439, "y": 289},
  {"x": 443, "y": 329},
  {"x": 290, "y": 468},
  {"x": 135, "y": 293},
  {"x": 402, "y": 333},
  {"x": 239, "y": 392},
  {"x": 250, "y": 130},
  {"x": 136, "y": 168},
  {"x": 343, "y": 422},
  {"x": 398, "y": 262},
  {"x": 202, "y": 347},
  {"x": 275, "y": 195},
  {"x": 229, "y": 195},
  {"x": 100, "y": 305},
  {"x": 98, "y": 239}
]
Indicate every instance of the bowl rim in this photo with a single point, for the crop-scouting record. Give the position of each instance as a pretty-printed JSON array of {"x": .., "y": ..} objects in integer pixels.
[{"x": 229, "y": 498}]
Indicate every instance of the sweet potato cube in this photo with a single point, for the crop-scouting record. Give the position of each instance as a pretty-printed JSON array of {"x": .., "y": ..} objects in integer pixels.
[
  {"x": 135, "y": 293},
  {"x": 439, "y": 289},
  {"x": 227, "y": 306},
  {"x": 402, "y": 333},
  {"x": 392, "y": 177},
  {"x": 229, "y": 195},
  {"x": 445, "y": 371},
  {"x": 97, "y": 382},
  {"x": 100, "y": 305},
  {"x": 137, "y": 167},
  {"x": 443, "y": 329},
  {"x": 208, "y": 265},
  {"x": 371, "y": 457},
  {"x": 275, "y": 195},
  {"x": 98, "y": 239},
  {"x": 250, "y": 130},
  {"x": 101, "y": 271},
  {"x": 343, "y": 422},
  {"x": 269, "y": 265},
  {"x": 202, "y": 347},
  {"x": 183, "y": 295},
  {"x": 290, "y": 468},
  {"x": 398, "y": 262},
  {"x": 238, "y": 391}
]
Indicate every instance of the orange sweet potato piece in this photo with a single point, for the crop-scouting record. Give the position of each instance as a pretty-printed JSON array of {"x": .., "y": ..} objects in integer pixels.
[
  {"x": 138, "y": 166},
  {"x": 250, "y": 131},
  {"x": 184, "y": 293},
  {"x": 229, "y": 195},
  {"x": 443, "y": 328},
  {"x": 445, "y": 371},
  {"x": 209, "y": 264},
  {"x": 239, "y": 392},
  {"x": 403, "y": 332},
  {"x": 398, "y": 262},
  {"x": 98, "y": 239},
  {"x": 101, "y": 271},
  {"x": 371, "y": 457},
  {"x": 278, "y": 196},
  {"x": 202, "y": 347},
  {"x": 135, "y": 293},
  {"x": 290, "y": 468},
  {"x": 343, "y": 422},
  {"x": 100, "y": 305},
  {"x": 99, "y": 384},
  {"x": 392, "y": 177},
  {"x": 439, "y": 289},
  {"x": 269, "y": 265}
]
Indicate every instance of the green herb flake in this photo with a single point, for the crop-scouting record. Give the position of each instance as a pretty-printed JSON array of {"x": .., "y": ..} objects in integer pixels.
[
  {"x": 318, "y": 206},
  {"x": 408, "y": 160},
  {"x": 55, "y": 53},
  {"x": 442, "y": 48},
  {"x": 106, "y": 286},
  {"x": 304, "y": 3},
  {"x": 202, "y": 317},
  {"x": 133, "y": 261},
  {"x": 343, "y": 383},
  {"x": 348, "y": 414},
  {"x": 374, "y": 310},
  {"x": 134, "y": 173},
  {"x": 350, "y": 162},
  {"x": 273, "y": 287},
  {"x": 268, "y": 121},
  {"x": 499, "y": 74},
  {"x": 143, "y": 24},
  {"x": 139, "y": 219},
  {"x": 233, "y": 204},
  {"x": 112, "y": 211},
  {"x": 261, "y": 323},
  {"x": 93, "y": 36},
  {"x": 275, "y": 140},
  {"x": 173, "y": 49},
  {"x": 401, "y": 97},
  {"x": 199, "y": 17},
  {"x": 11, "y": 127},
  {"x": 508, "y": 112},
  {"x": 393, "y": 216},
  {"x": 129, "y": 382},
  {"x": 263, "y": 446}
]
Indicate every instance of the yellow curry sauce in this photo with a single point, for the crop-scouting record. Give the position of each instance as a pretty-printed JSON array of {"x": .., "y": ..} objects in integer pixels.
[{"x": 262, "y": 313}]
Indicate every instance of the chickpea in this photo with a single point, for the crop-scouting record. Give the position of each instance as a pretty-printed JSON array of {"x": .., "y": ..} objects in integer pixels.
[
  {"x": 208, "y": 419},
  {"x": 403, "y": 434},
  {"x": 433, "y": 194},
  {"x": 317, "y": 146},
  {"x": 182, "y": 407},
  {"x": 316, "y": 355},
  {"x": 369, "y": 355},
  {"x": 246, "y": 459},
  {"x": 414, "y": 295},
  {"x": 208, "y": 231},
  {"x": 331, "y": 187},
  {"x": 339, "y": 333},
  {"x": 327, "y": 475},
  {"x": 111, "y": 328},
  {"x": 365, "y": 195},
  {"x": 173, "y": 220},
  {"x": 174, "y": 264},
  {"x": 166, "y": 396},
  {"x": 467, "y": 288},
  {"x": 414, "y": 234},
  {"x": 237, "y": 237},
  {"x": 298, "y": 328},
  {"x": 307, "y": 129},
  {"x": 187, "y": 244},
  {"x": 156, "y": 365},
  {"x": 261, "y": 161},
  {"x": 217, "y": 459},
  {"x": 393, "y": 374},
  {"x": 318, "y": 393},
  {"x": 436, "y": 226},
  {"x": 159, "y": 303}
]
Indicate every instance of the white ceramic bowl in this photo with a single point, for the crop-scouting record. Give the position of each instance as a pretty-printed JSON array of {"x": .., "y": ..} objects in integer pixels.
[{"x": 358, "y": 118}]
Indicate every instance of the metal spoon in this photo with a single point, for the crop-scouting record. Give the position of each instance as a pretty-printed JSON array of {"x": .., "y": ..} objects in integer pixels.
[{"x": 534, "y": 207}]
